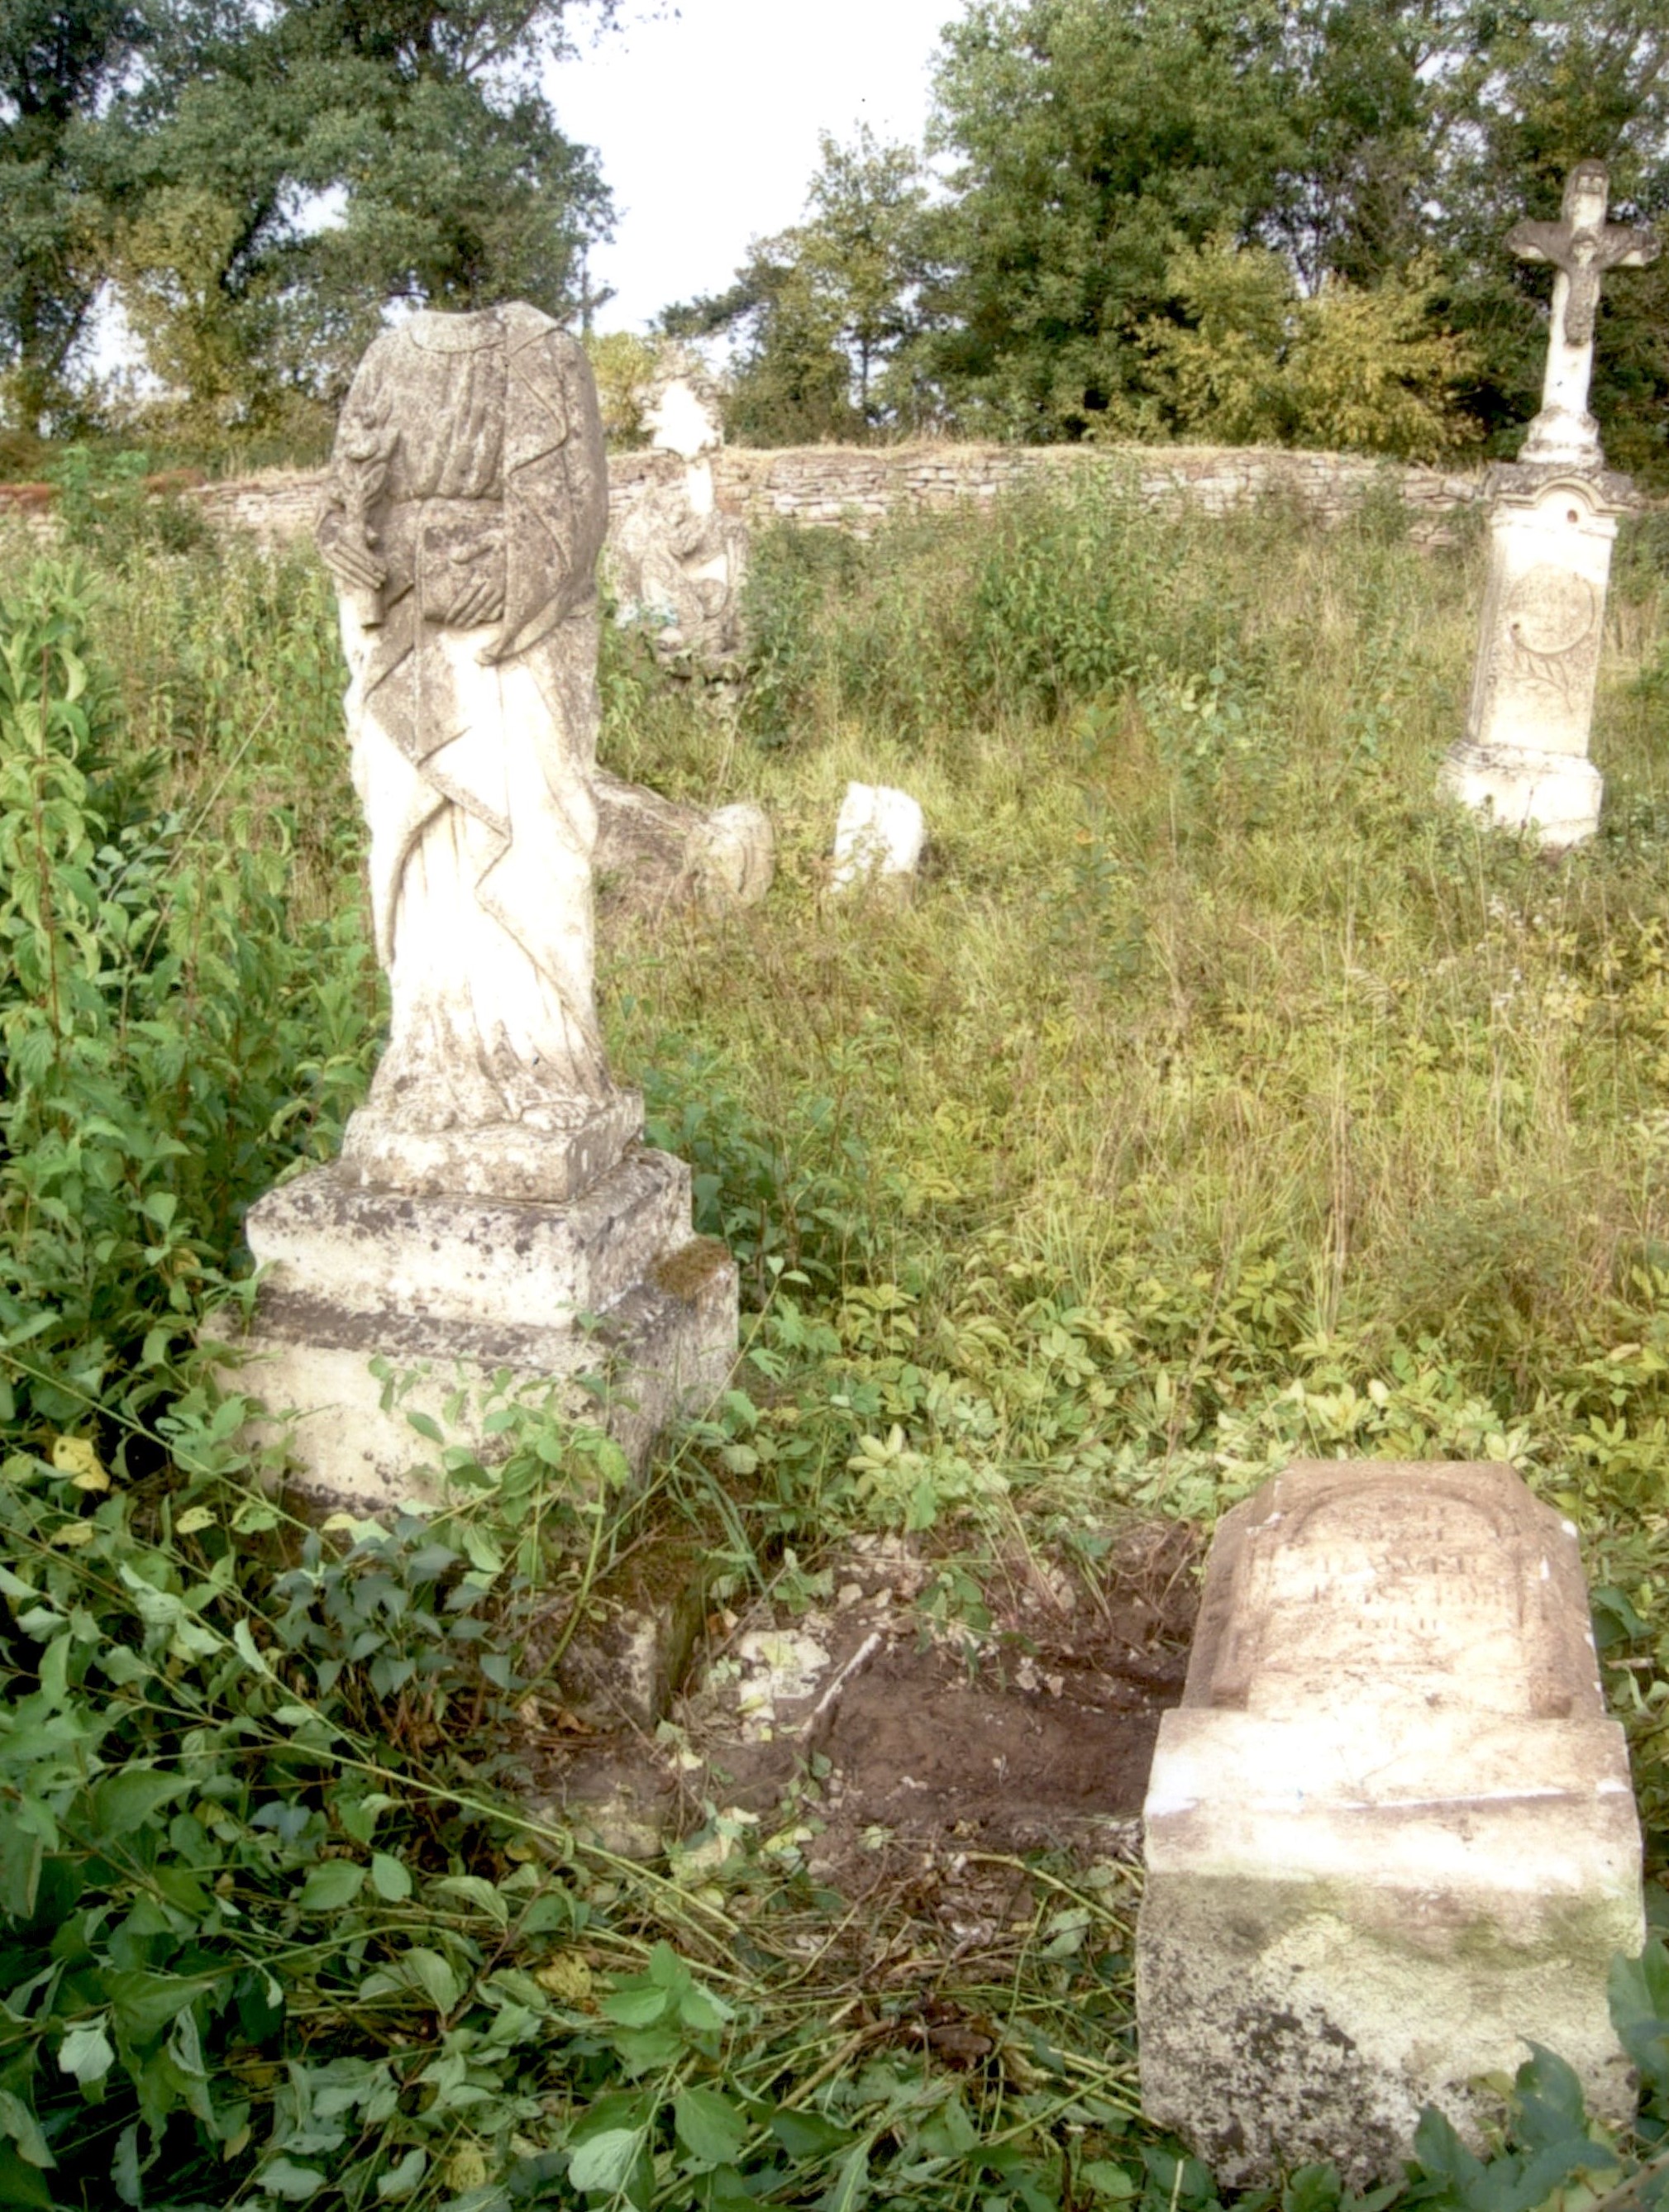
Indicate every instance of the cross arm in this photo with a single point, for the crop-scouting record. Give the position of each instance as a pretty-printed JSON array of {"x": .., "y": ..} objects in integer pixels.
[
  {"x": 1541, "y": 241},
  {"x": 1622, "y": 248}
]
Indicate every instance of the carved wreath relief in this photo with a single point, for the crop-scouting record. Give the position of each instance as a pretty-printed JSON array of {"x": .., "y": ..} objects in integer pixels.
[{"x": 1549, "y": 623}]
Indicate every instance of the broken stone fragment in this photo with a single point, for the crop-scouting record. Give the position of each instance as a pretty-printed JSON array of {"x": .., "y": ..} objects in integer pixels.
[{"x": 879, "y": 835}]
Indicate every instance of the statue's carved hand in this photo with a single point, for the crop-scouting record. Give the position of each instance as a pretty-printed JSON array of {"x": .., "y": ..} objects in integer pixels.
[
  {"x": 348, "y": 556},
  {"x": 475, "y": 579}
]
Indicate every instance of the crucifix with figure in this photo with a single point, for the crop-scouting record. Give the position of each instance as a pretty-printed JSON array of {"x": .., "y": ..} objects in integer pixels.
[
  {"x": 1553, "y": 516},
  {"x": 1581, "y": 247}
]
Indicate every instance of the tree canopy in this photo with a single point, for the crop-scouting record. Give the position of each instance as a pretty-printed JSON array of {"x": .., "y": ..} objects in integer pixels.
[
  {"x": 257, "y": 179},
  {"x": 1229, "y": 217}
]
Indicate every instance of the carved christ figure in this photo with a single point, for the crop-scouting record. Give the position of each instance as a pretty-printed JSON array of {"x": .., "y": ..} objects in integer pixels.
[
  {"x": 1581, "y": 247},
  {"x": 467, "y": 507}
]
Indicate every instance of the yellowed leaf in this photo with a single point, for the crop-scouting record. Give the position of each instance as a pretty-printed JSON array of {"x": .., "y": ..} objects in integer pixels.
[
  {"x": 194, "y": 1518},
  {"x": 568, "y": 1977},
  {"x": 74, "y": 1533},
  {"x": 75, "y": 1457},
  {"x": 467, "y": 2167}
]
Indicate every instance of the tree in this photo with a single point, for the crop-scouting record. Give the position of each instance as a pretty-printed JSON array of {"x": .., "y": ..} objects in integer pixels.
[
  {"x": 61, "y": 63},
  {"x": 272, "y": 172},
  {"x": 1098, "y": 140},
  {"x": 829, "y": 314},
  {"x": 1092, "y": 139},
  {"x": 1247, "y": 357}
]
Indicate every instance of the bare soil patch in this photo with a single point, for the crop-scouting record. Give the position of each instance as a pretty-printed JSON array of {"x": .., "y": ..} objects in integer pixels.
[{"x": 912, "y": 1717}]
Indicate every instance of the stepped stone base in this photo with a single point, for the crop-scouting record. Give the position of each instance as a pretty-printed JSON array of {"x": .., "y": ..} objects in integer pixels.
[
  {"x": 466, "y": 1303},
  {"x": 1556, "y": 794}
]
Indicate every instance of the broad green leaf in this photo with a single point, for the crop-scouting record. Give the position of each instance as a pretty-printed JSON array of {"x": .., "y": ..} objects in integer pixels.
[
  {"x": 700, "y": 2010},
  {"x": 330, "y": 1886},
  {"x": 389, "y": 1878},
  {"x": 123, "y": 1802},
  {"x": 294, "y": 2183},
  {"x": 85, "y": 2052},
  {"x": 635, "y": 2006},
  {"x": 145, "y": 2003},
  {"x": 604, "y": 2161},
  {"x": 1109, "y": 2182},
  {"x": 708, "y": 2126},
  {"x": 21, "y": 2127},
  {"x": 808, "y": 2135},
  {"x": 474, "y": 1891},
  {"x": 22, "y": 2185},
  {"x": 428, "y": 1971},
  {"x": 400, "y": 2180}
]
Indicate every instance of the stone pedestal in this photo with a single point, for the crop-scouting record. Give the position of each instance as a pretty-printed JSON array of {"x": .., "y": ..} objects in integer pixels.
[
  {"x": 1390, "y": 1834},
  {"x": 465, "y": 1301},
  {"x": 1524, "y": 757}
]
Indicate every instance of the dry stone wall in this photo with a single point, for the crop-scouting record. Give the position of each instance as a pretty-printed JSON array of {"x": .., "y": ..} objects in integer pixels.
[{"x": 855, "y": 487}]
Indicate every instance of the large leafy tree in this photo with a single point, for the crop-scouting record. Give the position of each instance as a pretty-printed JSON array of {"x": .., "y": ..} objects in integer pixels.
[
  {"x": 272, "y": 172},
  {"x": 1092, "y": 139},
  {"x": 1097, "y": 141},
  {"x": 62, "y": 61}
]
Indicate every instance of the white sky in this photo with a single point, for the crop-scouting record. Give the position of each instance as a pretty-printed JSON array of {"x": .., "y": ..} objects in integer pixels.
[{"x": 707, "y": 126}]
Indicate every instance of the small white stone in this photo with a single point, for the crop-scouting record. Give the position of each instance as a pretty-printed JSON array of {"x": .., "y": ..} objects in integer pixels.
[{"x": 880, "y": 831}]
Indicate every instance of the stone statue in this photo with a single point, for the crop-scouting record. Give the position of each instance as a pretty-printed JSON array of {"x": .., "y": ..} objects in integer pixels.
[
  {"x": 677, "y": 561},
  {"x": 467, "y": 506},
  {"x": 495, "y": 1232}
]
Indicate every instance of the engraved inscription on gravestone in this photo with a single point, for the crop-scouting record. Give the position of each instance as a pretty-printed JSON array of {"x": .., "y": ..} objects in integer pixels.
[
  {"x": 1390, "y": 1834},
  {"x": 1380, "y": 1596}
]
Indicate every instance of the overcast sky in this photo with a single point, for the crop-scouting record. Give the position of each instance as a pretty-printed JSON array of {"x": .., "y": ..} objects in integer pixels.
[{"x": 707, "y": 125}]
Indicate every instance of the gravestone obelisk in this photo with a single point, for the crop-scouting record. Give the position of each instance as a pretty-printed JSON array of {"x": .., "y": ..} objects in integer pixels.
[
  {"x": 495, "y": 1227},
  {"x": 1553, "y": 515}
]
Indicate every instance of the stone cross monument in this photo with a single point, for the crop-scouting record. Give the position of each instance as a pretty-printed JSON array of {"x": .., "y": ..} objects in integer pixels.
[
  {"x": 1553, "y": 517},
  {"x": 1581, "y": 247},
  {"x": 495, "y": 1222}
]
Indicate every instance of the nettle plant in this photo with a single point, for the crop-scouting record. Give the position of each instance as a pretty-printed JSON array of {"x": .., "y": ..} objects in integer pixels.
[{"x": 171, "y": 1040}]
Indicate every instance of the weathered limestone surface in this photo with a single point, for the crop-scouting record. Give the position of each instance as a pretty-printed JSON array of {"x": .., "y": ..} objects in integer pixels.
[
  {"x": 468, "y": 1306},
  {"x": 651, "y": 853},
  {"x": 494, "y": 1223},
  {"x": 676, "y": 558},
  {"x": 1390, "y": 1833},
  {"x": 1553, "y": 516}
]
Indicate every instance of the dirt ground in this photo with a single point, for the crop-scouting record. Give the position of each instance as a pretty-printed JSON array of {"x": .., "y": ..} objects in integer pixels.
[{"x": 909, "y": 1716}]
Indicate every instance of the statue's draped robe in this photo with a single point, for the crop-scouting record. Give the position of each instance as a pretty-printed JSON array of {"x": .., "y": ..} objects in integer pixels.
[{"x": 475, "y": 743}]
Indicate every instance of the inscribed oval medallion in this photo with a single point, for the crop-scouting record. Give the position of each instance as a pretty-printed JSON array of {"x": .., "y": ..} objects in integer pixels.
[{"x": 1551, "y": 611}]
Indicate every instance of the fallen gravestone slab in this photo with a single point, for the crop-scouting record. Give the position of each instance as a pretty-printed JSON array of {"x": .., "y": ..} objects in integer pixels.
[
  {"x": 1390, "y": 1835},
  {"x": 653, "y": 853}
]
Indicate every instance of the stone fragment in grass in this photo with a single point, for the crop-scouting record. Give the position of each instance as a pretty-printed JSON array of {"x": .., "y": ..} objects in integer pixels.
[
  {"x": 880, "y": 832},
  {"x": 1390, "y": 1835}
]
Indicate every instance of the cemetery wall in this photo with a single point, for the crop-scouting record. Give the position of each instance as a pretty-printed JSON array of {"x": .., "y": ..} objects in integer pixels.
[{"x": 854, "y": 487}]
